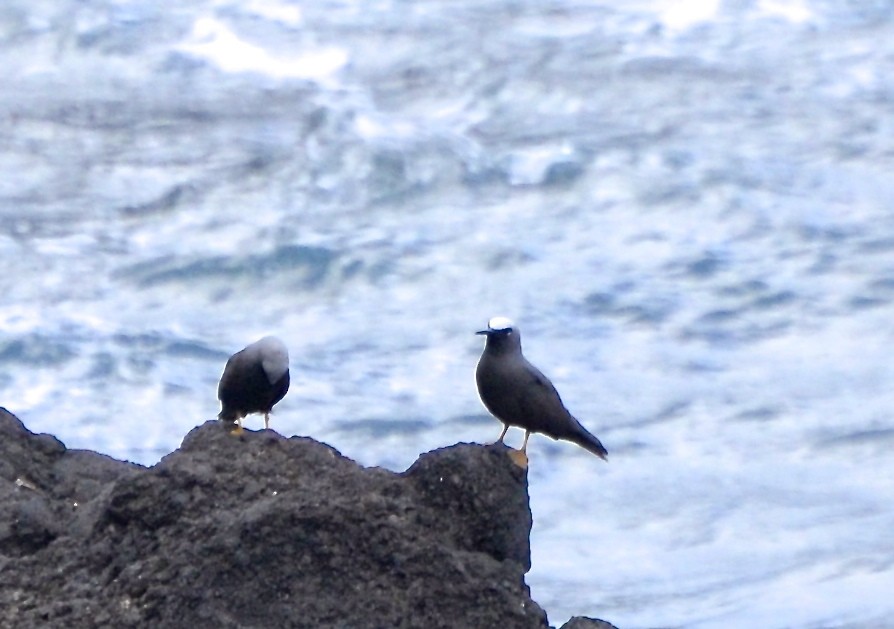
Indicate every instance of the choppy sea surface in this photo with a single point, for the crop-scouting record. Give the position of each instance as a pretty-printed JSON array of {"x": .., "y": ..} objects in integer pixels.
[{"x": 687, "y": 208}]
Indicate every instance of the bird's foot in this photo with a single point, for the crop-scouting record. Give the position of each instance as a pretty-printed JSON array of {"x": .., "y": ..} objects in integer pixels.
[
  {"x": 519, "y": 458},
  {"x": 238, "y": 430}
]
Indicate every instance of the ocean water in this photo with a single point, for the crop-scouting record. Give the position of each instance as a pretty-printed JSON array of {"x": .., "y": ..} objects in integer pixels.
[{"x": 687, "y": 207}]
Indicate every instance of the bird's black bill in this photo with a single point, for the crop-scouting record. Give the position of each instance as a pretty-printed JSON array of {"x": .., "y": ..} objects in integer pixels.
[{"x": 483, "y": 332}]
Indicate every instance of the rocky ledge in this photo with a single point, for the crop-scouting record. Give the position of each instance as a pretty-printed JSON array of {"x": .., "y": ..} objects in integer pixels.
[{"x": 261, "y": 531}]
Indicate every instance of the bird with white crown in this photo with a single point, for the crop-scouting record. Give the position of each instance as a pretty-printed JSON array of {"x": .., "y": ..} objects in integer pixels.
[{"x": 518, "y": 394}]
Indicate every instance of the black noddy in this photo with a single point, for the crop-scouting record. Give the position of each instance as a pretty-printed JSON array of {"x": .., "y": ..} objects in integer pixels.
[
  {"x": 518, "y": 394},
  {"x": 254, "y": 379}
]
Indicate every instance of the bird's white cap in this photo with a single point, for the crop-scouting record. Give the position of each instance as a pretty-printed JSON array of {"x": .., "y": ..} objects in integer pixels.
[
  {"x": 498, "y": 324},
  {"x": 273, "y": 355}
]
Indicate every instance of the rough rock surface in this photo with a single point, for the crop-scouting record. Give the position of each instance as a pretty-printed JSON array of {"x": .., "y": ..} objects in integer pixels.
[
  {"x": 260, "y": 531},
  {"x": 582, "y": 622}
]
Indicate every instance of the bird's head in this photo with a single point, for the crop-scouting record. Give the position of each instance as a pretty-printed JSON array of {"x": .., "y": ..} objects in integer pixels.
[
  {"x": 501, "y": 334},
  {"x": 273, "y": 356},
  {"x": 498, "y": 326}
]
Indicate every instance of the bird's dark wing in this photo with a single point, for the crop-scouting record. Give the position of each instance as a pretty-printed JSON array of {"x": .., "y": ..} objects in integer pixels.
[
  {"x": 244, "y": 386},
  {"x": 280, "y": 388},
  {"x": 544, "y": 403},
  {"x": 228, "y": 377},
  {"x": 542, "y": 406}
]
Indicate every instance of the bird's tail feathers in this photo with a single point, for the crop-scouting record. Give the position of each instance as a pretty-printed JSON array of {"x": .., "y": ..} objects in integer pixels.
[{"x": 589, "y": 442}]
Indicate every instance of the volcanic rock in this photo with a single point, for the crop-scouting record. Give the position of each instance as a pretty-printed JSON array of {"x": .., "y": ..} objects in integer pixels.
[{"x": 259, "y": 531}]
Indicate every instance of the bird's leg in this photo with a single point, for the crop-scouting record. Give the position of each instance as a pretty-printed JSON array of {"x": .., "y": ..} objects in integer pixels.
[
  {"x": 520, "y": 457},
  {"x": 266, "y": 421},
  {"x": 502, "y": 434},
  {"x": 238, "y": 430}
]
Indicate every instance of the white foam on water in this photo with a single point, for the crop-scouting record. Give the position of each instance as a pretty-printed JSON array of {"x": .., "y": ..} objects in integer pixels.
[
  {"x": 214, "y": 40},
  {"x": 795, "y": 11},
  {"x": 680, "y": 15},
  {"x": 286, "y": 13}
]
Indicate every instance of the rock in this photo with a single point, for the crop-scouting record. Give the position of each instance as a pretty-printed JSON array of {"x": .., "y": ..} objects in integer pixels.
[
  {"x": 581, "y": 622},
  {"x": 260, "y": 531},
  {"x": 41, "y": 484}
]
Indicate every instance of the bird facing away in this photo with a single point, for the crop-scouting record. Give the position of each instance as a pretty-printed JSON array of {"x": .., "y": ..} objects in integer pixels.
[
  {"x": 518, "y": 394},
  {"x": 254, "y": 379}
]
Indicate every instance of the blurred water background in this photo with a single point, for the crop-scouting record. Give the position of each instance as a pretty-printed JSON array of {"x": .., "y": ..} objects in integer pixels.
[{"x": 685, "y": 206}]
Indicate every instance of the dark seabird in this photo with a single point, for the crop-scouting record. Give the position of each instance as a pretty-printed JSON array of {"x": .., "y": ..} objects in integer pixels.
[
  {"x": 518, "y": 394},
  {"x": 254, "y": 379}
]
